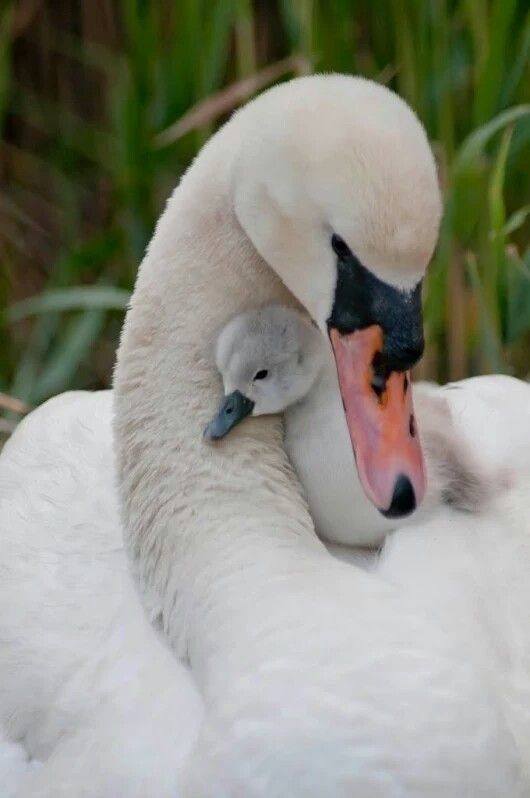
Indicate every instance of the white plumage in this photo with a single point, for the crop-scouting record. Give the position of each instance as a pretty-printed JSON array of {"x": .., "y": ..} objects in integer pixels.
[
  {"x": 317, "y": 678},
  {"x": 86, "y": 682}
]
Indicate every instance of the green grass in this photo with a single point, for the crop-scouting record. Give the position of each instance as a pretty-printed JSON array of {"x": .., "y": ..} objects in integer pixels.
[{"x": 92, "y": 151}]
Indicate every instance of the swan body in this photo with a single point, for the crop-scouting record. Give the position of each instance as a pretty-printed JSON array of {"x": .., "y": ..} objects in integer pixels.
[
  {"x": 317, "y": 678},
  {"x": 228, "y": 563},
  {"x": 15, "y": 767},
  {"x": 85, "y": 685},
  {"x": 275, "y": 360},
  {"x": 92, "y": 715}
]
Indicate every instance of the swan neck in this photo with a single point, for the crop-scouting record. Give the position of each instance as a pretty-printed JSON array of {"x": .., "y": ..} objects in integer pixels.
[{"x": 198, "y": 518}]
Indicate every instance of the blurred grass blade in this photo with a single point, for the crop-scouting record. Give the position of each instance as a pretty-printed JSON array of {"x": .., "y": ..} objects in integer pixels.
[
  {"x": 519, "y": 65},
  {"x": 245, "y": 41},
  {"x": 64, "y": 299},
  {"x": 518, "y": 279},
  {"x": 6, "y": 21},
  {"x": 490, "y": 77},
  {"x": 88, "y": 140},
  {"x": 225, "y": 101},
  {"x": 75, "y": 344},
  {"x": 474, "y": 144},
  {"x": 516, "y": 220},
  {"x": 218, "y": 23},
  {"x": 495, "y": 260},
  {"x": 490, "y": 344},
  {"x": 32, "y": 358},
  {"x": 496, "y": 189},
  {"x": 13, "y": 405}
]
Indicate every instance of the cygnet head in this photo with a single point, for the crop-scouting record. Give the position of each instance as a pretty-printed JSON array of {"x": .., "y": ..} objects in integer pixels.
[{"x": 268, "y": 359}]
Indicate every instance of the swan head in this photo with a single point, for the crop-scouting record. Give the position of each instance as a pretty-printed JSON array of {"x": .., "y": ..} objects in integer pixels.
[
  {"x": 269, "y": 359},
  {"x": 336, "y": 187}
]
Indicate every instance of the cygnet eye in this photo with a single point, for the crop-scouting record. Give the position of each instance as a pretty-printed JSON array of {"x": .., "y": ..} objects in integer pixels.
[
  {"x": 261, "y": 374},
  {"x": 340, "y": 247}
]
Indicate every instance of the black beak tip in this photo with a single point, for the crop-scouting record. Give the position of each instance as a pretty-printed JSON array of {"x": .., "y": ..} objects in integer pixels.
[{"x": 403, "y": 499}]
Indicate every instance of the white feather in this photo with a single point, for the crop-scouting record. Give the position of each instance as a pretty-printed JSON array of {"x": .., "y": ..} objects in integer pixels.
[{"x": 317, "y": 678}]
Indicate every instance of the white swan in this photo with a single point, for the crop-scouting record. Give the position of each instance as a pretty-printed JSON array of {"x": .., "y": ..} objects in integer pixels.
[
  {"x": 15, "y": 768},
  {"x": 70, "y": 683},
  {"x": 85, "y": 685},
  {"x": 325, "y": 186},
  {"x": 308, "y": 668},
  {"x": 273, "y": 359}
]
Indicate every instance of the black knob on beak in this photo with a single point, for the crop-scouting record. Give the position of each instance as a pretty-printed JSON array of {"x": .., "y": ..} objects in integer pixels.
[{"x": 403, "y": 499}]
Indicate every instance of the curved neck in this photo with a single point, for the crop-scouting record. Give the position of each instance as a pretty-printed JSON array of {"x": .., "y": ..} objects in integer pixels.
[{"x": 200, "y": 520}]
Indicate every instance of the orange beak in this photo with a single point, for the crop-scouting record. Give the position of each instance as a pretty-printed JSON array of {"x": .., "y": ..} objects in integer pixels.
[{"x": 381, "y": 422}]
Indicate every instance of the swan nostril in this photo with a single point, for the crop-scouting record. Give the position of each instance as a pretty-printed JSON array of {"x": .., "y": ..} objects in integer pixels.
[
  {"x": 378, "y": 385},
  {"x": 229, "y": 410},
  {"x": 412, "y": 426},
  {"x": 403, "y": 499},
  {"x": 380, "y": 375}
]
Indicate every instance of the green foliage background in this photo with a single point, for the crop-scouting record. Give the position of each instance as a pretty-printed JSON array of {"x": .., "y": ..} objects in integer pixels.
[{"x": 95, "y": 98}]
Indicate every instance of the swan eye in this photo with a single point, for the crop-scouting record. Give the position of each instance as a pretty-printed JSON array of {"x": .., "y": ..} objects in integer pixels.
[
  {"x": 340, "y": 247},
  {"x": 261, "y": 375}
]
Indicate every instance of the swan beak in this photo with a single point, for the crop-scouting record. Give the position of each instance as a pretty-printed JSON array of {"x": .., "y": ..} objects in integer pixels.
[
  {"x": 380, "y": 419},
  {"x": 234, "y": 408}
]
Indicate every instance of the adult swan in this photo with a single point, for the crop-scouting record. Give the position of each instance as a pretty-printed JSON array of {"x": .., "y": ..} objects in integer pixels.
[{"x": 318, "y": 680}]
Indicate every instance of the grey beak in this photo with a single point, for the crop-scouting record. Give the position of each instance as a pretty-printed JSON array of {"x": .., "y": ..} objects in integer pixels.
[{"x": 234, "y": 408}]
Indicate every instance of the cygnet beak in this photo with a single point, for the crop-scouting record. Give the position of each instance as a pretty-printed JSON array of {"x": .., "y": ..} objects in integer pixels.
[{"x": 234, "y": 408}]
